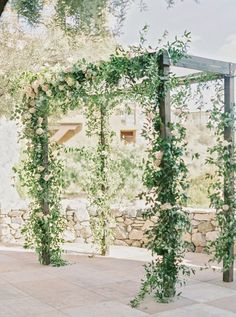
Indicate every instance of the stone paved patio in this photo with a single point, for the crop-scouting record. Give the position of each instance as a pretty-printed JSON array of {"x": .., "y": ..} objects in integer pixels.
[{"x": 103, "y": 287}]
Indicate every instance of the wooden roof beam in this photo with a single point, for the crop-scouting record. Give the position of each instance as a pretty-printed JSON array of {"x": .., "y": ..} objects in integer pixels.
[{"x": 203, "y": 64}]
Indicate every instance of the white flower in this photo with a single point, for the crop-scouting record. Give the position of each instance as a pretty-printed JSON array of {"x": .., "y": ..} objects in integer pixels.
[
  {"x": 26, "y": 116},
  {"x": 166, "y": 206},
  {"x": 45, "y": 87},
  {"x": 37, "y": 176},
  {"x": 35, "y": 86},
  {"x": 40, "y": 214},
  {"x": 175, "y": 133},
  {"x": 29, "y": 91},
  {"x": 47, "y": 177},
  {"x": 39, "y": 131},
  {"x": 70, "y": 81},
  {"x": 159, "y": 155},
  {"x": 32, "y": 103},
  {"x": 69, "y": 69},
  {"x": 225, "y": 207},
  {"x": 45, "y": 217},
  {"x": 158, "y": 158},
  {"x": 225, "y": 143},
  {"x": 49, "y": 93},
  {"x": 61, "y": 87},
  {"x": 150, "y": 116},
  {"x": 41, "y": 168},
  {"x": 177, "y": 112},
  {"x": 40, "y": 120},
  {"x": 32, "y": 110}
]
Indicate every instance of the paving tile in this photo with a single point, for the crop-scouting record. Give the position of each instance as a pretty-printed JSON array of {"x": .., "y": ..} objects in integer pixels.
[
  {"x": 26, "y": 275},
  {"x": 53, "y": 313},
  {"x": 105, "y": 309},
  {"x": 90, "y": 278},
  {"x": 118, "y": 290},
  {"x": 205, "y": 275},
  {"x": 227, "y": 303},
  {"x": 219, "y": 282},
  {"x": 73, "y": 298},
  {"x": 38, "y": 287},
  {"x": 59, "y": 293},
  {"x": 204, "y": 292},
  {"x": 23, "y": 307},
  {"x": 151, "y": 306},
  {"x": 197, "y": 310},
  {"x": 102, "y": 287},
  {"x": 8, "y": 291}
]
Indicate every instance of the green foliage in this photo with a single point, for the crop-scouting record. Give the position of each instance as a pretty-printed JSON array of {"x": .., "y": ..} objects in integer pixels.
[
  {"x": 41, "y": 174},
  {"x": 98, "y": 89},
  {"x": 30, "y": 9},
  {"x": 222, "y": 190},
  {"x": 126, "y": 165},
  {"x": 198, "y": 191},
  {"x": 73, "y": 16}
]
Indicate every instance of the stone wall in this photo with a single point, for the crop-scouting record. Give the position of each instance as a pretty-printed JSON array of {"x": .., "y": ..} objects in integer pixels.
[{"x": 129, "y": 229}]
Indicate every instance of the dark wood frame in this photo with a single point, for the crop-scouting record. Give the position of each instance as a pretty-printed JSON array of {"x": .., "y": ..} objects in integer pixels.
[{"x": 221, "y": 69}]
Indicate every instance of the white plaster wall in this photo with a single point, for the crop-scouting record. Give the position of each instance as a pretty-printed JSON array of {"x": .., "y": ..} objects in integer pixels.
[{"x": 9, "y": 156}]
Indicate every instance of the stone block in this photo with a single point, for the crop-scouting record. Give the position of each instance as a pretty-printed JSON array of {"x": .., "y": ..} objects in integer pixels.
[
  {"x": 202, "y": 216},
  {"x": 205, "y": 227},
  {"x": 148, "y": 223},
  {"x": 136, "y": 234},
  {"x": 121, "y": 243},
  {"x": 15, "y": 213},
  {"x": 211, "y": 236},
  {"x": 128, "y": 221},
  {"x": 18, "y": 220},
  {"x": 136, "y": 244},
  {"x": 198, "y": 239},
  {"x": 120, "y": 233}
]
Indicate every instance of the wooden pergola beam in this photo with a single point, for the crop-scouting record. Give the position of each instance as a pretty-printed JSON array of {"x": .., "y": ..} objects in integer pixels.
[
  {"x": 198, "y": 78},
  {"x": 202, "y": 64}
]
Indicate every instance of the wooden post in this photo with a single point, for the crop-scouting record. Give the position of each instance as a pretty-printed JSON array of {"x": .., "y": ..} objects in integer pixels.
[
  {"x": 164, "y": 99},
  {"x": 228, "y": 275}
]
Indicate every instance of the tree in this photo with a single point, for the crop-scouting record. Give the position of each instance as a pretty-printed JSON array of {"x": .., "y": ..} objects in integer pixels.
[{"x": 72, "y": 14}]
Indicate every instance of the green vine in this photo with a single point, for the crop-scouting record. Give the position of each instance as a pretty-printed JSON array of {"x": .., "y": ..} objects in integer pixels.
[{"x": 221, "y": 192}]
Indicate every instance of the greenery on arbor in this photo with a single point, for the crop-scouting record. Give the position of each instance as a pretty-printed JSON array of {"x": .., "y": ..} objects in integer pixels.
[
  {"x": 98, "y": 88},
  {"x": 22, "y": 51},
  {"x": 128, "y": 75}
]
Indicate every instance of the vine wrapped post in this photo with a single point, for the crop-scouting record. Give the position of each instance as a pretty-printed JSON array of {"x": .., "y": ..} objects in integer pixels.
[
  {"x": 103, "y": 148},
  {"x": 164, "y": 99},
  {"x": 46, "y": 256},
  {"x": 165, "y": 119},
  {"x": 229, "y": 190}
]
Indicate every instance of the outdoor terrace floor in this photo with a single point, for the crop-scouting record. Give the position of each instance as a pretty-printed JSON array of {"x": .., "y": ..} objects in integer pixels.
[{"x": 103, "y": 287}]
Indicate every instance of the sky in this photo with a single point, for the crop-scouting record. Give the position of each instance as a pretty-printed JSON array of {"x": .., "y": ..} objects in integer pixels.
[{"x": 212, "y": 24}]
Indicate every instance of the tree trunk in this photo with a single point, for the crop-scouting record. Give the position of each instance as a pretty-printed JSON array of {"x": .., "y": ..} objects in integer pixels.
[{"x": 2, "y": 6}]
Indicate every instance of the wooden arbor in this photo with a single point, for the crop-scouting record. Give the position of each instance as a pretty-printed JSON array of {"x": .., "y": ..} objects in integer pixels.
[{"x": 221, "y": 69}]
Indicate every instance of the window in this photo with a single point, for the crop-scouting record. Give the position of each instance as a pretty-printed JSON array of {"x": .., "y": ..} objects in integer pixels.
[{"x": 128, "y": 136}]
